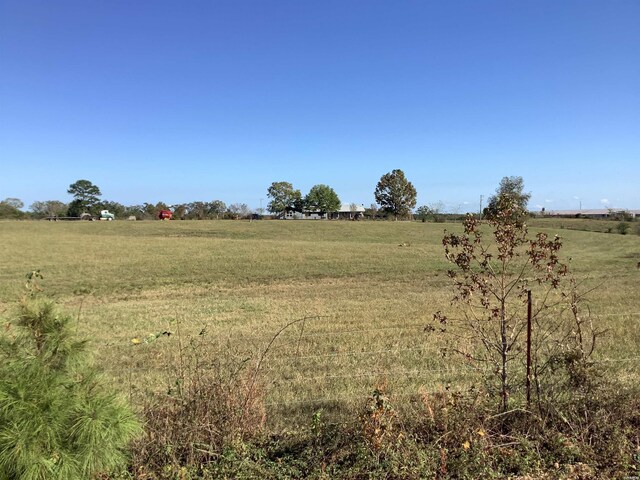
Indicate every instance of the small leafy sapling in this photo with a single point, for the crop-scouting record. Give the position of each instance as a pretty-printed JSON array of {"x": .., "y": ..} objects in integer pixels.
[{"x": 492, "y": 274}]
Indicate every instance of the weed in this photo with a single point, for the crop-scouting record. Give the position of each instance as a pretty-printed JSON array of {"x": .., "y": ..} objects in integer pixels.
[
  {"x": 378, "y": 420},
  {"x": 214, "y": 406}
]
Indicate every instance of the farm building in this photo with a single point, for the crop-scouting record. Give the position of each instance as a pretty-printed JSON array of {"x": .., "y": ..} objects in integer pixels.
[
  {"x": 291, "y": 214},
  {"x": 348, "y": 211},
  {"x": 594, "y": 213}
]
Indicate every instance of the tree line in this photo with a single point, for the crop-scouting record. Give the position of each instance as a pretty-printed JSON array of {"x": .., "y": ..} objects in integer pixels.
[
  {"x": 86, "y": 199},
  {"x": 394, "y": 194}
]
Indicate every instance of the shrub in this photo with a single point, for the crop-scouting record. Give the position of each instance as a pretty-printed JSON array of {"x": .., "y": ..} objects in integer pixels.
[
  {"x": 623, "y": 228},
  {"x": 211, "y": 411},
  {"x": 56, "y": 419},
  {"x": 379, "y": 421}
]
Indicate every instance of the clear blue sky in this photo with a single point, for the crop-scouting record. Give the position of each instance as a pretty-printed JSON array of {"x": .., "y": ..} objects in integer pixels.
[{"x": 200, "y": 100}]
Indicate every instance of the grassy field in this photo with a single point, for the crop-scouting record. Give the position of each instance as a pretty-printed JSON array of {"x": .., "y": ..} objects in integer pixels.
[{"x": 224, "y": 288}]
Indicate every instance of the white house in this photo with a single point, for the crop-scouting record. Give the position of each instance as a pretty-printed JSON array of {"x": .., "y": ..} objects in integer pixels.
[{"x": 347, "y": 211}]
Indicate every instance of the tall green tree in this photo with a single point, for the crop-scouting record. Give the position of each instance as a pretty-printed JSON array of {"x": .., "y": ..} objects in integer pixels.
[
  {"x": 395, "y": 194},
  {"x": 510, "y": 191},
  {"x": 322, "y": 198},
  {"x": 217, "y": 208},
  {"x": 86, "y": 198},
  {"x": 283, "y": 196}
]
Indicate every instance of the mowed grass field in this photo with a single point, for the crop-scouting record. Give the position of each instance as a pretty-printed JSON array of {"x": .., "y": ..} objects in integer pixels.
[{"x": 223, "y": 289}]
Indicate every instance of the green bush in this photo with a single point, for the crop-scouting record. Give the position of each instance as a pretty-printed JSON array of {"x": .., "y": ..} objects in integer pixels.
[
  {"x": 56, "y": 419},
  {"x": 623, "y": 228}
]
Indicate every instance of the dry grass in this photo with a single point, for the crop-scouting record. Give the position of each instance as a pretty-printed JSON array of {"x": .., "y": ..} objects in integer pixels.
[{"x": 366, "y": 289}]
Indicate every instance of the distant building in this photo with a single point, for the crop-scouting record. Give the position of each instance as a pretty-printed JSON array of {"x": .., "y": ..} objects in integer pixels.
[
  {"x": 293, "y": 214},
  {"x": 347, "y": 211},
  {"x": 593, "y": 213}
]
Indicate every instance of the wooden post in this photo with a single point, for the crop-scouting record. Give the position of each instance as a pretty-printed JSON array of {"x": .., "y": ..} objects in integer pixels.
[{"x": 529, "y": 348}]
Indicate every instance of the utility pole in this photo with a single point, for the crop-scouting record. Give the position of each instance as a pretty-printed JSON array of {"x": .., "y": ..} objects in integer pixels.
[{"x": 481, "y": 207}]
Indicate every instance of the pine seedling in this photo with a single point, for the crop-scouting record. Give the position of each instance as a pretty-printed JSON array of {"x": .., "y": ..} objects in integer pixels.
[{"x": 57, "y": 421}]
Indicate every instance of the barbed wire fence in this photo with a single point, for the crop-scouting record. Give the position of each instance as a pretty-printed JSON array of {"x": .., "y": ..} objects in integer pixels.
[{"x": 311, "y": 369}]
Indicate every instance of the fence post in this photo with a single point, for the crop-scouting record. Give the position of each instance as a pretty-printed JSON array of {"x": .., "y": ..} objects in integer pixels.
[{"x": 528, "y": 348}]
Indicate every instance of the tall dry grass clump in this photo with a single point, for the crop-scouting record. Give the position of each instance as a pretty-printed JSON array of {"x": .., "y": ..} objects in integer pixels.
[{"x": 213, "y": 406}]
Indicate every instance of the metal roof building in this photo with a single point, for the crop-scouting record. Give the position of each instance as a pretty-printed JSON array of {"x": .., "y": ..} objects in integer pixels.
[{"x": 592, "y": 213}]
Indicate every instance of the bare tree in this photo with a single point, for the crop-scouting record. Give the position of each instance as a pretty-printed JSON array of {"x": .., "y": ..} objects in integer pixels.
[{"x": 239, "y": 210}]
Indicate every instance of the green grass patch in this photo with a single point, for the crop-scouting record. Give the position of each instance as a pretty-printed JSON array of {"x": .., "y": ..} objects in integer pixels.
[{"x": 367, "y": 288}]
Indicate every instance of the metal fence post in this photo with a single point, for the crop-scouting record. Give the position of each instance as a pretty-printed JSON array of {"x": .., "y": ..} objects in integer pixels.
[{"x": 528, "y": 348}]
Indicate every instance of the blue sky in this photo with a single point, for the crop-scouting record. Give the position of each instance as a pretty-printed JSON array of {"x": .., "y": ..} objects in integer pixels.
[{"x": 200, "y": 100}]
